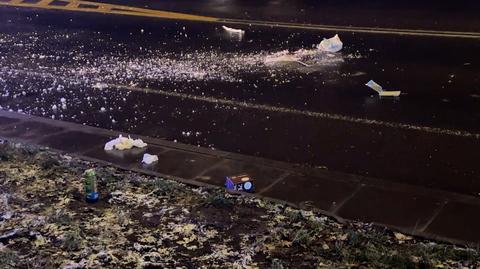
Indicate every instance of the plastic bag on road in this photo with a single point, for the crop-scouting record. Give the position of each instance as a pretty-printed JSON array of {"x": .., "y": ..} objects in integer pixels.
[{"x": 333, "y": 44}]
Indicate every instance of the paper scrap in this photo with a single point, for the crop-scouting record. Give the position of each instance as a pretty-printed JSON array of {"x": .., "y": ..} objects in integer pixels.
[
  {"x": 149, "y": 158},
  {"x": 379, "y": 89}
]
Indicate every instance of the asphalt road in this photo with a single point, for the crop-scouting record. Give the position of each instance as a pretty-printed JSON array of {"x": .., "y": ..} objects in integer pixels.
[
  {"x": 194, "y": 83},
  {"x": 459, "y": 15}
]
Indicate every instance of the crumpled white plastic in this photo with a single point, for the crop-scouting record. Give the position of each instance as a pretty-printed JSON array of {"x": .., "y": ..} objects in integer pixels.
[
  {"x": 122, "y": 143},
  {"x": 233, "y": 30},
  {"x": 333, "y": 44},
  {"x": 149, "y": 158}
]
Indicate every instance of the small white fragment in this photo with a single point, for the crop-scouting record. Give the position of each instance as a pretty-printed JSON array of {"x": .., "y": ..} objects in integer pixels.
[
  {"x": 100, "y": 85},
  {"x": 233, "y": 30},
  {"x": 139, "y": 143},
  {"x": 148, "y": 158},
  {"x": 379, "y": 89},
  {"x": 333, "y": 44}
]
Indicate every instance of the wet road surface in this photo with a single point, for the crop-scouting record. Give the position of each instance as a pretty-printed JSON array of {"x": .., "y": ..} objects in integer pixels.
[
  {"x": 428, "y": 14},
  {"x": 193, "y": 83}
]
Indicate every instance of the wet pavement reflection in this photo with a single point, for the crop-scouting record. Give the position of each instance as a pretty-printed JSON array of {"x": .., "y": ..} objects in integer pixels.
[{"x": 196, "y": 84}]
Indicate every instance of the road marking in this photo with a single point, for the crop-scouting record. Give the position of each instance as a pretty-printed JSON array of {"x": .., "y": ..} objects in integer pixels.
[
  {"x": 266, "y": 107},
  {"x": 370, "y": 30},
  {"x": 87, "y": 6}
]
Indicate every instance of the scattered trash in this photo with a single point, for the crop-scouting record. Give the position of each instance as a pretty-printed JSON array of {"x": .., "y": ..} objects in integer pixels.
[
  {"x": 475, "y": 95},
  {"x": 284, "y": 56},
  {"x": 333, "y": 44},
  {"x": 376, "y": 87},
  {"x": 233, "y": 30},
  {"x": 122, "y": 143},
  {"x": 90, "y": 182},
  {"x": 401, "y": 237},
  {"x": 239, "y": 183},
  {"x": 149, "y": 158},
  {"x": 100, "y": 85}
]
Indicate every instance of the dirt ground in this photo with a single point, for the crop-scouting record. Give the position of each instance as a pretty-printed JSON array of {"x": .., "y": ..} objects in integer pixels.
[{"x": 147, "y": 222}]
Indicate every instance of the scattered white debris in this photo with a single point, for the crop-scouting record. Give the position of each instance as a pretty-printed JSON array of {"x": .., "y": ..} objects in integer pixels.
[
  {"x": 333, "y": 44},
  {"x": 100, "y": 85},
  {"x": 63, "y": 101},
  {"x": 233, "y": 30},
  {"x": 306, "y": 57},
  {"x": 281, "y": 56},
  {"x": 376, "y": 87},
  {"x": 149, "y": 158},
  {"x": 123, "y": 143}
]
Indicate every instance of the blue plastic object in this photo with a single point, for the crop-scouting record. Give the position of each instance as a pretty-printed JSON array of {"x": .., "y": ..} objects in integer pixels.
[{"x": 229, "y": 184}]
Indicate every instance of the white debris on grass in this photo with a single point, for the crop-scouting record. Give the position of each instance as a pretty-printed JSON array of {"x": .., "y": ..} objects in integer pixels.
[
  {"x": 149, "y": 158},
  {"x": 333, "y": 44},
  {"x": 123, "y": 143},
  {"x": 381, "y": 92}
]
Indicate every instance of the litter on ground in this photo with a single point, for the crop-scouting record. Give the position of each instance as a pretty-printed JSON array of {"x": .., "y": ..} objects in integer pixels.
[
  {"x": 149, "y": 158},
  {"x": 333, "y": 44},
  {"x": 123, "y": 143},
  {"x": 233, "y": 30},
  {"x": 239, "y": 183},
  {"x": 379, "y": 89}
]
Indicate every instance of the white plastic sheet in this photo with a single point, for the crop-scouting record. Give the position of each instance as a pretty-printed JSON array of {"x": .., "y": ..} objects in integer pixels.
[
  {"x": 149, "y": 158},
  {"x": 233, "y": 30},
  {"x": 333, "y": 44}
]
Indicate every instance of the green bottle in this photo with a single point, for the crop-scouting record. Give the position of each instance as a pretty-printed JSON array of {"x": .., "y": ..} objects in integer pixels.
[{"x": 90, "y": 182}]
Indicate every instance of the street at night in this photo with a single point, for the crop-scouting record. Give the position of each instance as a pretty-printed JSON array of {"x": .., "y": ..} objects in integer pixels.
[{"x": 269, "y": 92}]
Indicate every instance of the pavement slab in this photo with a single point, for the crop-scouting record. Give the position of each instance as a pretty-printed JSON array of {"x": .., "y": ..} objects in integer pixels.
[
  {"x": 124, "y": 158},
  {"x": 262, "y": 175},
  {"x": 7, "y": 121},
  {"x": 73, "y": 141},
  {"x": 30, "y": 130},
  {"x": 458, "y": 220},
  {"x": 405, "y": 210},
  {"x": 323, "y": 193},
  {"x": 181, "y": 163}
]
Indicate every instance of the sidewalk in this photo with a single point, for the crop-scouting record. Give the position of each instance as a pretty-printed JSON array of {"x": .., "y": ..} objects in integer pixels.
[{"x": 413, "y": 210}]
